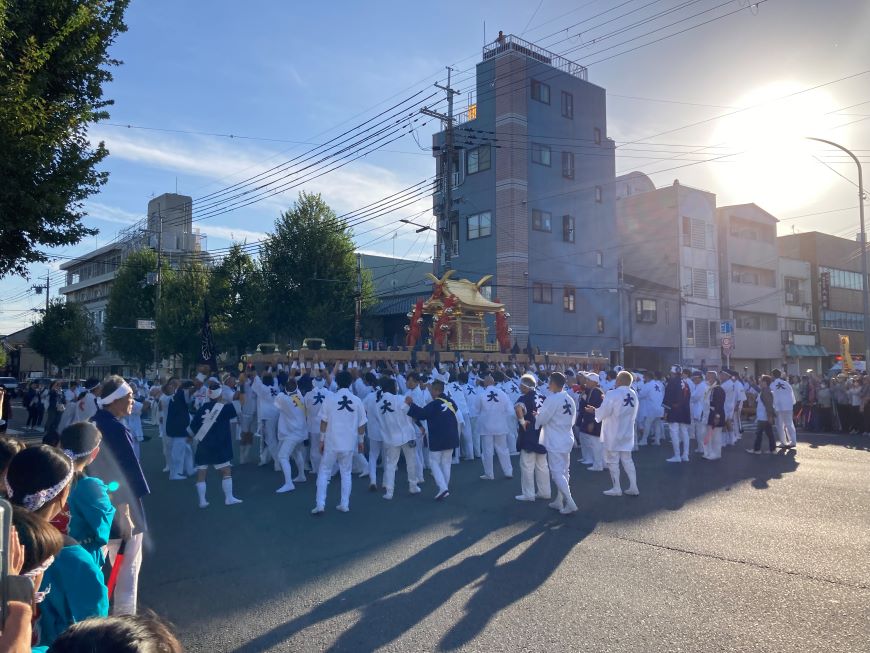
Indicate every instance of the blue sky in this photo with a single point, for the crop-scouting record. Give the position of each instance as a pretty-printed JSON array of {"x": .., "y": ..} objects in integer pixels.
[{"x": 291, "y": 73}]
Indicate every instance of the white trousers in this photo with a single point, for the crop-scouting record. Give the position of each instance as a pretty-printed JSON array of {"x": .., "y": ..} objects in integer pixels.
[
  {"x": 167, "y": 450},
  {"x": 613, "y": 458},
  {"x": 534, "y": 469},
  {"x": 595, "y": 448},
  {"x": 344, "y": 459},
  {"x": 181, "y": 457},
  {"x": 488, "y": 443},
  {"x": 269, "y": 441},
  {"x": 785, "y": 429},
  {"x": 440, "y": 462},
  {"x": 376, "y": 448},
  {"x": 698, "y": 432},
  {"x": 468, "y": 438},
  {"x": 653, "y": 428},
  {"x": 291, "y": 446},
  {"x": 127, "y": 587},
  {"x": 713, "y": 445},
  {"x": 560, "y": 464},
  {"x": 314, "y": 449},
  {"x": 475, "y": 437},
  {"x": 391, "y": 462},
  {"x": 679, "y": 434},
  {"x": 513, "y": 426}
]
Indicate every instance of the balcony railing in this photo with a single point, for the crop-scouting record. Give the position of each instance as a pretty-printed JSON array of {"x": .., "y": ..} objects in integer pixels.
[{"x": 513, "y": 43}]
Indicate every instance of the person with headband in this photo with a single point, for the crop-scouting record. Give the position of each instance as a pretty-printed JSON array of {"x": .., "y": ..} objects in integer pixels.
[
  {"x": 178, "y": 430},
  {"x": 556, "y": 418},
  {"x": 86, "y": 406},
  {"x": 716, "y": 414},
  {"x": 533, "y": 455},
  {"x": 677, "y": 414},
  {"x": 266, "y": 389},
  {"x": 90, "y": 507},
  {"x": 292, "y": 433},
  {"x": 373, "y": 428},
  {"x": 494, "y": 410},
  {"x": 442, "y": 419},
  {"x": 697, "y": 395},
  {"x": 617, "y": 415},
  {"x": 38, "y": 479},
  {"x": 119, "y": 464},
  {"x": 211, "y": 427},
  {"x": 398, "y": 432}
]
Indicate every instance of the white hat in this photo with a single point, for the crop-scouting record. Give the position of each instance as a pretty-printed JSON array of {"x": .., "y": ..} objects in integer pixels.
[{"x": 200, "y": 377}]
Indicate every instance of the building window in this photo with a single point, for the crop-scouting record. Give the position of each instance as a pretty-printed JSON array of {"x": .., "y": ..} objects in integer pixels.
[
  {"x": 754, "y": 321},
  {"x": 690, "y": 333},
  {"x": 646, "y": 310},
  {"x": 713, "y": 328},
  {"x": 541, "y": 220},
  {"x": 749, "y": 230},
  {"x": 568, "y": 165},
  {"x": 700, "y": 283},
  {"x": 478, "y": 159},
  {"x": 599, "y": 258},
  {"x": 792, "y": 291},
  {"x": 842, "y": 320},
  {"x": 567, "y": 105},
  {"x": 599, "y": 324},
  {"x": 843, "y": 278},
  {"x": 598, "y": 194},
  {"x": 479, "y": 225},
  {"x": 486, "y": 291},
  {"x": 568, "y": 299},
  {"x": 542, "y": 293},
  {"x": 540, "y": 92},
  {"x": 597, "y": 135},
  {"x": 568, "y": 228},
  {"x": 694, "y": 233},
  {"x": 753, "y": 276},
  {"x": 540, "y": 154}
]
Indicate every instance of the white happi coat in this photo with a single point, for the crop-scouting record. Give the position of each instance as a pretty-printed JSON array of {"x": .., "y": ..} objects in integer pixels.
[
  {"x": 617, "y": 414},
  {"x": 556, "y": 419}
]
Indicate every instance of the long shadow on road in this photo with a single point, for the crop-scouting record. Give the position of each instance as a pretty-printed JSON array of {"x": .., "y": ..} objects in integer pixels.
[{"x": 537, "y": 541}]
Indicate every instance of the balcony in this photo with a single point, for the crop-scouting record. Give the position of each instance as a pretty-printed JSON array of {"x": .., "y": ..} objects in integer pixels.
[{"x": 513, "y": 43}]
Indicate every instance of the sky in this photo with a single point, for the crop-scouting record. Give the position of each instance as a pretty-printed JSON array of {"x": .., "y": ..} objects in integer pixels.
[{"x": 283, "y": 76}]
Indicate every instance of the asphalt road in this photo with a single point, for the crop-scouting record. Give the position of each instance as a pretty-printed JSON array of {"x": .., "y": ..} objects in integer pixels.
[{"x": 753, "y": 553}]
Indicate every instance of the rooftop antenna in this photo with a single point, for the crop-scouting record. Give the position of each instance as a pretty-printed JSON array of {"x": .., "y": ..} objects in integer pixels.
[{"x": 484, "y": 32}]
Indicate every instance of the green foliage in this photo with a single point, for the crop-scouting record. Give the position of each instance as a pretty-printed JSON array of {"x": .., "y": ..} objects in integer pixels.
[
  {"x": 236, "y": 303},
  {"x": 309, "y": 268},
  {"x": 65, "y": 334},
  {"x": 53, "y": 65},
  {"x": 182, "y": 295},
  {"x": 132, "y": 299}
]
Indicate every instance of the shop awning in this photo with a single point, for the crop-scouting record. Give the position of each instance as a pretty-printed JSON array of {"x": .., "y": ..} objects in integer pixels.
[{"x": 806, "y": 351}]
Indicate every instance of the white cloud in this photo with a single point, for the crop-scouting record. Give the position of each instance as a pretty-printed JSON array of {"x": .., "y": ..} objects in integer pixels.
[{"x": 232, "y": 234}]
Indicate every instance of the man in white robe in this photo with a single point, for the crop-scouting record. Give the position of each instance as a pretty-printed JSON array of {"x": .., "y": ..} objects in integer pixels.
[
  {"x": 617, "y": 414},
  {"x": 556, "y": 418}
]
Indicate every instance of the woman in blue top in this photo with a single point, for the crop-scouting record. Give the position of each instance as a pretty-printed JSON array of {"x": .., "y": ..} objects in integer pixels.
[
  {"x": 91, "y": 510},
  {"x": 118, "y": 463}
]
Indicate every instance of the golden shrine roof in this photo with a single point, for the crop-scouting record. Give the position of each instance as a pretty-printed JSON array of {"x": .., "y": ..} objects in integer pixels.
[{"x": 466, "y": 292}]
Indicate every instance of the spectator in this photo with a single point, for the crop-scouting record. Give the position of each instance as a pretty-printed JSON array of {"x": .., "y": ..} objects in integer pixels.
[{"x": 127, "y": 634}]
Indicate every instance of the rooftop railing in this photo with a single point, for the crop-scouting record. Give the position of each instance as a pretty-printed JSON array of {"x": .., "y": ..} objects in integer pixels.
[{"x": 511, "y": 43}]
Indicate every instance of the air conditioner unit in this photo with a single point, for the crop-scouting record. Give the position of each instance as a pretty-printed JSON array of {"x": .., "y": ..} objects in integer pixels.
[
  {"x": 789, "y": 297},
  {"x": 813, "y": 328}
]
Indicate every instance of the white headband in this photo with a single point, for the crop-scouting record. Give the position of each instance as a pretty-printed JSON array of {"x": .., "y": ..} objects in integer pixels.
[
  {"x": 41, "y": 569},
  {"x": 121, "y": 391},
  {"x": 76, "y": 456},
  {"x": 35, "y": 501},
  {"x": 215, "y": 394}
]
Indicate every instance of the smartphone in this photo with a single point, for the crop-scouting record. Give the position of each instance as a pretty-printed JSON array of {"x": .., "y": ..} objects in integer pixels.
[{"x": 5, "y": 530}]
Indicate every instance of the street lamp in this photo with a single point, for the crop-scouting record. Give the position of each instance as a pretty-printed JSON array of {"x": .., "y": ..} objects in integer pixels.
[
  {"x": 421, "y": 229},
  {"x": 865, "y": 291}
]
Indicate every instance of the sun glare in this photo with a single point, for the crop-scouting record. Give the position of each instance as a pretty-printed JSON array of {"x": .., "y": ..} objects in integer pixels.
[{"x": 776, "y": 168}]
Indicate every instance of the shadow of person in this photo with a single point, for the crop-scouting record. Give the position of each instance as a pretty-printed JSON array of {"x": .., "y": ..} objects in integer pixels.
[
  {"x": 498, "y": 586},
  {"x": 845, "y": 440}
]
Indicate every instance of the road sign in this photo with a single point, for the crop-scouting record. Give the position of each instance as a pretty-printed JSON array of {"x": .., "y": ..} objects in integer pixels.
[
  {"x": 727, "y": 343},
  {"x": 726, "y": 327},
  {"x": 146, "y": 325}
]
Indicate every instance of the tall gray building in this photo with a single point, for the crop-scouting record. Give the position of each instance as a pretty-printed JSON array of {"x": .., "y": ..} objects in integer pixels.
[{"x": 533, "y": 198}]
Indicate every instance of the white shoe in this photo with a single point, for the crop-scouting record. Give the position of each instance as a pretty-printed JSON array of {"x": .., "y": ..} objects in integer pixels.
[
  {"x": 509, "y": 475},
  {"x": 542, "y": 496},
  {"x": 570, "y": 507},
  {"x": 556, "y": 505},
  {"x": 523, "y": 497},
  {"x": 232, "y": 501},
  {"x": 414, "y": 489},
  {"x": 318, "y": 510},
  {"x": 685, "y": 459},
  {"x": 594, "y": 469},
  {"x": 388, "y": 495},
  {"x": 633, "y": 492},
  {"x": 287, "y": 487},
  {"x": 178, "y": 478},
  {"x": 300, "y": 479},
  {"x": 674, "y": 459},
  {"x": 165, "y": 470},
  {"x": 487, "y": 478},
  {"x": 342, "y": 508},
  {"x": 203, "y": 504},
  {"x": 613, "y": 492}
]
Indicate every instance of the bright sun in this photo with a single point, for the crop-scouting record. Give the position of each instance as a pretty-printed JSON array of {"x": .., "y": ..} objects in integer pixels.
[{"x": 777, "y": 169}]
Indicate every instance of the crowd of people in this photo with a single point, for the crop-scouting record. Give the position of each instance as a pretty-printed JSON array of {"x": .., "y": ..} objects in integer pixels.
[{"x": 79, "y": 539}]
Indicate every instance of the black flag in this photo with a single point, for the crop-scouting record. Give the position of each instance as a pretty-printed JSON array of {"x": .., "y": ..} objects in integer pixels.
[{"x": 207, "y": 353}]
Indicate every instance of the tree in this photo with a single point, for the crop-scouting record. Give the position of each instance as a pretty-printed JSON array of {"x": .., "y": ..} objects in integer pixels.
[
  {"x": 236, "y": 301},
  {"x": 182, "y": 295},
  {"x": 310, "y": 274},
  {"x": 64, "y": 335},
  {"x": 132, "y": 298},
  {"x": 53, "y": 64}
]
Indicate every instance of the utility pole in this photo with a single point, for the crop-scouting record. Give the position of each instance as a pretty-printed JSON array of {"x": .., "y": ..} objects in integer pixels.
[
  {"x": 358, "y": 312},
  {"x": 619, "y": 289},
  {"x": 46, "y": 365},
  {"x": 443, "y": 232}
]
